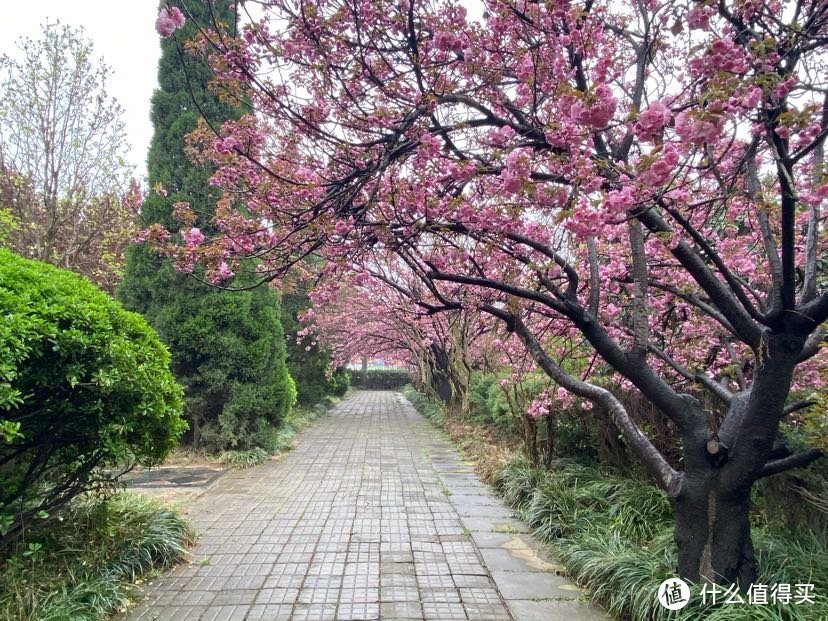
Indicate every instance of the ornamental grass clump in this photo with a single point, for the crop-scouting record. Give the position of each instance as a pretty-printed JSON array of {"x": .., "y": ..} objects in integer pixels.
[
  {"x": 83, "y": 567},
  {"x": 614, "y": 535}
]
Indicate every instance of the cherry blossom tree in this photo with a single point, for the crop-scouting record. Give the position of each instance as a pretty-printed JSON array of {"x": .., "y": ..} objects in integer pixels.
[
  {"x": 379, "y": 314},
  {"x": 647, "y": 178}
]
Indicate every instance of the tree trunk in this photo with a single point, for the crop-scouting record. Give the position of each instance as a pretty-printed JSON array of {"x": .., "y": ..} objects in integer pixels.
[
  {"x": 712, "y": 506},
  {"x": 550, "y": 440},
  {"x": 196, "y": 423},
  {"x": 530, "y": 438},
  {"x": 712, "y": 531}
]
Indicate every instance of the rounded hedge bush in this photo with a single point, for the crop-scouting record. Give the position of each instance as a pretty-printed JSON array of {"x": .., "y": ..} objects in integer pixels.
[{"x": 85, "y": 391}]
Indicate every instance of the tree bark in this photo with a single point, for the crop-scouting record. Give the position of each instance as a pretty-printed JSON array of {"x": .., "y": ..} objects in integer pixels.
[
  {"x": 196, "y": 432},
  {"x": 712, "y": 531},
  {"x": 712, "y": 506},
  {"x": 550, "y": 440}
]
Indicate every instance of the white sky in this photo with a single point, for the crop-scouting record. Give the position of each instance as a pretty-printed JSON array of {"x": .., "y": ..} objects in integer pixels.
[
  {"x": 125, "y": 38},
  {"x": 123, "y": 34}
]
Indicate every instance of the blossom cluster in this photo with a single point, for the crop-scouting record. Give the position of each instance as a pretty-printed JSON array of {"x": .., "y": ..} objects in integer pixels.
[{"x": 169, "y": 20}]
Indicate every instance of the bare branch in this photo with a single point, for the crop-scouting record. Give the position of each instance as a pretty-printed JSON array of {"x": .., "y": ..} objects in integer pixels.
[
  {"x": 798, "y": 405},
  {"x": 641, "y": 311},
  {"x": 809, "y": 284},
  {"x": 594, "y": 278},
  {"x": 797, "y": 460}
]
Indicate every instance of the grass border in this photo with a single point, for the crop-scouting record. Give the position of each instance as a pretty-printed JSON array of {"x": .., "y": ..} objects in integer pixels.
[
  {"x": 89, "y": 560},
  {"x": 614, "y": 534}
]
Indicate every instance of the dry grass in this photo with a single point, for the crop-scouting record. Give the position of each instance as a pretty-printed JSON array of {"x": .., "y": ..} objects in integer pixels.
[{"x": 488, "y": 449}]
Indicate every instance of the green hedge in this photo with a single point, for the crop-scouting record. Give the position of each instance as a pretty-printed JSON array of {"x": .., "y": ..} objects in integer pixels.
[
  {"x": 380, "y": 379},
  {"x": 83, "y": 384}
]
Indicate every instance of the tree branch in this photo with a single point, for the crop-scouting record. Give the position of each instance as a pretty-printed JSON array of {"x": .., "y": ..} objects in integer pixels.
[
  {"x": 809, "y": 285},
  {"x": 640, "y": 307},
  {"x": 668, "y": 478},
  {"x": 719, "y": 391},
  {"x": 721, "y": 296},
  {"x": 798, "y": 405},
  {"x": 796, "y": 460}
]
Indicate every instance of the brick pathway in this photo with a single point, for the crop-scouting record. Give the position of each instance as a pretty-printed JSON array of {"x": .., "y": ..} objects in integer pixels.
[{"x": 372, "y": 516}]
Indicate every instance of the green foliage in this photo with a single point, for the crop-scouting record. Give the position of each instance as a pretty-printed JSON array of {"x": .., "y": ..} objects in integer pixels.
[
  {"x": 8, "y": 223},
  {"x": 380, "y": 379},
  {"x": 272, "y": 440},
  {"x": 339, "y": 382},
  {"x": 799, "y": 497},
  {"x": 614, "y": 535},
  {"x": 82, "y": 567},
  {"x": 488, "y": 404},
  {"x": 243, "y": 459},
  {"x": 425, "y": 406},
  {"x": 228, "y": 348},
  {"x": 83, "y": 384},
  {"x": 502, "y": 408},
  {"x": 307, "y": 362}
]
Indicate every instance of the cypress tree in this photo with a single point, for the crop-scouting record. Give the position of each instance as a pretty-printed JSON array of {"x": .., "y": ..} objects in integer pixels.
[{"x": 228, "y": 348}]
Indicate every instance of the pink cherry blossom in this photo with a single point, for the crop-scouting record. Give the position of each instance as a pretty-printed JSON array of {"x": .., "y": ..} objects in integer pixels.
[
  {"x": 544, "y": 172},
  {"x": 660, "y": 170},
  {"x": 696, "y": 130},
  {"x": 652, "y": 121},
  {"x": 698, "y": 18},
  {"x": 192, "y": 237},
  {"x": 168, "y": 21}
]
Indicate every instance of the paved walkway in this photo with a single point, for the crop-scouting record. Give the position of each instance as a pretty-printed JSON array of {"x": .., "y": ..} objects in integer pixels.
[{"x": 373, "y": 516}]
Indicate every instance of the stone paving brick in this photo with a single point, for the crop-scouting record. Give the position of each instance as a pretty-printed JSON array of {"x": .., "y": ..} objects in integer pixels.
[{"x": 372, "y": 516}]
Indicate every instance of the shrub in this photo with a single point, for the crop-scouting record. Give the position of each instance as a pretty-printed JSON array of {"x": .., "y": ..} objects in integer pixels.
[
  {"x": 425, "y": 406},
  {"x": 308, "y": 363},
  {"x": 487, "y": 403},
  {"x": 380, "y": 379},
  {"x": 339, "y": 382},
  {"x": 505, "y": 410},
  {"x": 84, "y": 384},
  {"x": 228, "y": 350},
  {"x": 243, "y": 459}
]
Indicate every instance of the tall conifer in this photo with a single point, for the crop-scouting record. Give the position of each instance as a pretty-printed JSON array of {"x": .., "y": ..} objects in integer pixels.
[{"x": 228, "y": 348}]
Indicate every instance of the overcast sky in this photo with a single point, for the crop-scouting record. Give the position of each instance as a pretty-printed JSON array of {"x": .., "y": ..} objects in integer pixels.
[{"x": 123, "y": 34}]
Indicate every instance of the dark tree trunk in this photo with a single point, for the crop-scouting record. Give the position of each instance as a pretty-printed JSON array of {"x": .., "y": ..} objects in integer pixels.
[
  {"x": 441, "y": 386},
  {"x": 550, "y": 440},
  {"x": 711, "y": 497},
  {"x": 445, "y": 383},
  {"x": 530, "y": 438},
  {"x": 712, "y": 532},
  {"x": 712, "y": 506},
  {"x": 196, "y": 424}
]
